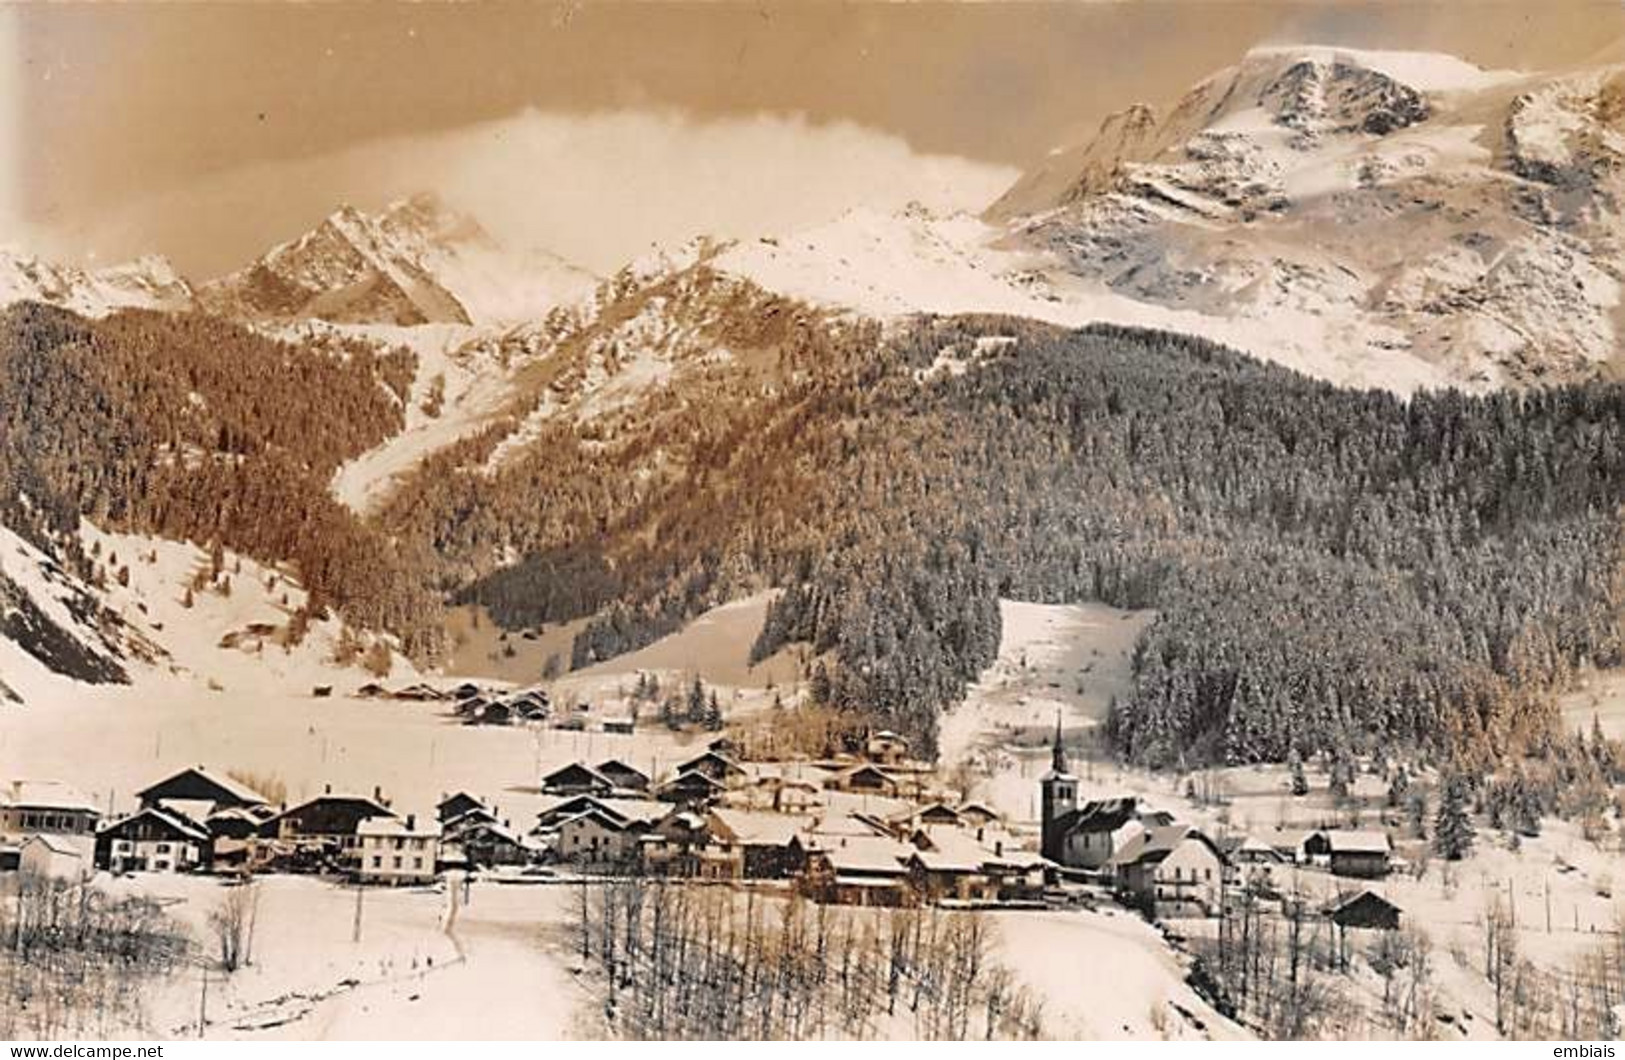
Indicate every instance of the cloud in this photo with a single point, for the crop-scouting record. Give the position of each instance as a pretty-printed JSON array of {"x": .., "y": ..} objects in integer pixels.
[{"x": 596, "y": 188}]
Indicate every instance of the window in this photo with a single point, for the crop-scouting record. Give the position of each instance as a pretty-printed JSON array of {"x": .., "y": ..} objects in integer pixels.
[
  {"x": 377, "y": 862},
  {"x": 417, "y": 863},
  {"x": 397, "y": 861}
]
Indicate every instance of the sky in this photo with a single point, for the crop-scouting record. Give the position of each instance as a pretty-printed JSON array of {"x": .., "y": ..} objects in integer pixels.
[{"x": 209, "y": 132}]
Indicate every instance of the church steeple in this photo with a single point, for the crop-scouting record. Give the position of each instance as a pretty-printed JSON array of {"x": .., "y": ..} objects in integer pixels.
[
  {"x": 1057, "y": 758},
  {"x": 1058, "y": 792}
]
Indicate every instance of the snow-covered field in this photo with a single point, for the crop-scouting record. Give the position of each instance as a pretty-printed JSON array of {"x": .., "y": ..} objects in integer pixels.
[
  {"x": 1106, "y": 975},
  {"x": 1066, "y": 659},
  {"x": 428, "y": 963},
  {"x": 1600, "y": 696}
]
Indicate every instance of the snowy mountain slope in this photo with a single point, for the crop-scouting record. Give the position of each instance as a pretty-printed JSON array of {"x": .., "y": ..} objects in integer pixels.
[
  {"x": 597, "y": 367},
  {"x": 892, "y": 266},
  {"x": 155, "y": 612},
  {"x": 146, "y": 283},
  {"x": 466, "y": 378},
  {"x": 1386, "y": 219},
  {"x": 52, "y": 628},
  {"x": 1426, "y": 210},
  {"x": 416, "y": 262}
]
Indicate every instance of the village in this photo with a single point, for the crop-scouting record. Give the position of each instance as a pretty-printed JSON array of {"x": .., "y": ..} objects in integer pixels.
[
  {"x": 870, "y": 827},
  {"x": 548, "y": 814}
]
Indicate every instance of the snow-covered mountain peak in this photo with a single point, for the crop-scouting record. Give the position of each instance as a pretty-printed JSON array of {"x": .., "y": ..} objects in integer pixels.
[
  {"x": 1427, "y": 72},
  {"x": 415, "y": 262},
  {"x": 1465, "y": 221},
  {"x": 149, "y": 282}
]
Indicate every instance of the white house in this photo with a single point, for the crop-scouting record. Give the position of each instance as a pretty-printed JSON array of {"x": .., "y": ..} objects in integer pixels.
[
  {"x": 397, "y": 850},
  {"x": 154, "y": 839},
  {"x": 56, "y": 857},
  {"x": 45, "y": 807},
  {"x": 595, "y": 839},
  {"x": 1171, "y": 871}
]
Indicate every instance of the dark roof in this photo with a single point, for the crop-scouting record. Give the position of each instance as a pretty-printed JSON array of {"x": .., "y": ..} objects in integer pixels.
[
  {"x": 615, "y": 769},
  {"x": 716, "y": 758},
  {"x": 469, "y": 817},
  {"x": 1362, "y": 909},
  {"x": 866, "y": 769},
  {"x": 366, "y": 803},
  {"x": 221, "y": 789},
  {"x": 693, "y": 778},
  {"x": 576, "y": 773},
  {"x": 173, "y": 823},
  {"x": 610, "y": 821},
  {"x": 640, "y": 810},
  {"x": 1101, "y": 815},
  {"x": 460, "y": 799}
]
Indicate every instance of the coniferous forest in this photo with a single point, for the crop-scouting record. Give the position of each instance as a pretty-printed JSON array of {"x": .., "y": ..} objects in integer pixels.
[{"x": 1330, "y": 568}]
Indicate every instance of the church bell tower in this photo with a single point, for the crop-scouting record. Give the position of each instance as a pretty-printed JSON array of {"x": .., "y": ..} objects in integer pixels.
[{"x": 1058, "y": 794}]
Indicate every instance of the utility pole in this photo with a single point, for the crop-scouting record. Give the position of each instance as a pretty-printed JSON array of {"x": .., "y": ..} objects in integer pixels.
[
  {"x": 360, "y": 892},
  {"x": 253, "y": 916},
  {"x": 203, "y": 998}
]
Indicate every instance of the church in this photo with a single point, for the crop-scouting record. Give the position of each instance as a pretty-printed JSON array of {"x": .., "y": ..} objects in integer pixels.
[{"x": 1086, "y": 836}]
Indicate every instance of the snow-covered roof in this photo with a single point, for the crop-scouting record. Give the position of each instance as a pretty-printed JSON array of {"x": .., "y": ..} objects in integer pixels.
[
  {"x": 863, "y": 853},
  {"x": 1155, "y": 844},
  {"x": 397, "y": 826},
  {"x": 843, "y": 824},
  {"x": 693, "y": 776},
  {"x": 953, "y": 851},
  {"x": 46, "y": 795},
  {"x": 755, "y": 828},
  {"x": 195, "y": 810},
  {"x": 56, "y": 844},
  {"x": 469, "y": 817},
  {"x": 1345, "y": 899},
  {"x": 641, "y": 811},
  {"x": 909, "y": 813},
  {"x": 1290, "y": 838},
  {"x": 1358, "y": 842},
  {"x": 494, "y": 828}
]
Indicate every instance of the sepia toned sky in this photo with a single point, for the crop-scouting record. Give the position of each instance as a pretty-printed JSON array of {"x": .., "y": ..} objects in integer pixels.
[{"x": 207, "y": 132}]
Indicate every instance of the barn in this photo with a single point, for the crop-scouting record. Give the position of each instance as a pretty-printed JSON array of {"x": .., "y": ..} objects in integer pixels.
[
  {"x": 1352, "y": 853},
  {"x": 1363, "y": 910}
]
